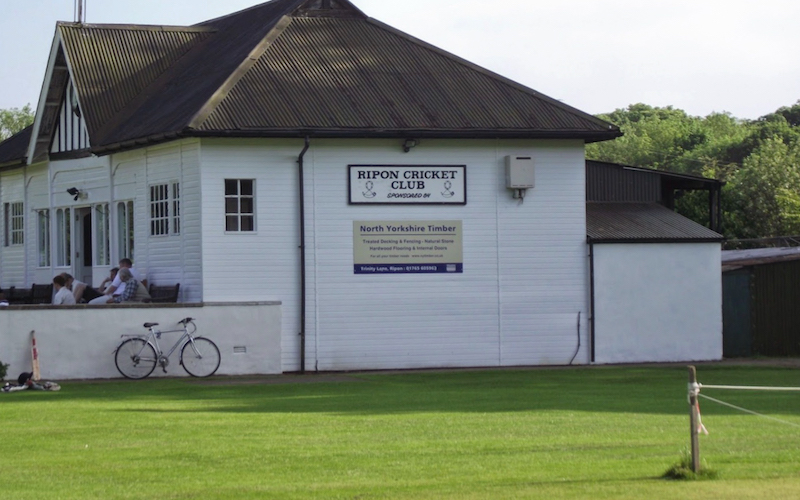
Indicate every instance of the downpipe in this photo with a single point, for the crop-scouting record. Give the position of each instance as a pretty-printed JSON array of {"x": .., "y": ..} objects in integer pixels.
[{"x": 301, "y": 187}]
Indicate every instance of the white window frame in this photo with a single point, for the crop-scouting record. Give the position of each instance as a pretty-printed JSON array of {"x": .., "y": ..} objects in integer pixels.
[
  {"x": 63, "y": 237},
  {"x": 102, "y": 253},
  {"x": 236, "y": 205},
  {"x": 125, "y": 234},
  {"x": 14, "y": 224},
  {"x": 165, "y": 209},
  {"x": 43, "y": 236}
]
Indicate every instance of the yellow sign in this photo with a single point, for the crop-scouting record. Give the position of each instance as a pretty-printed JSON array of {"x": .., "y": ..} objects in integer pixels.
[{"x": 407, "y": 247}]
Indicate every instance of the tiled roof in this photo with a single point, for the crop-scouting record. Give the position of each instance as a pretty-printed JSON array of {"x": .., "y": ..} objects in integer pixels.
[
  {"x": 292, "y": 68},
  {"x": 642, "y": 222}
]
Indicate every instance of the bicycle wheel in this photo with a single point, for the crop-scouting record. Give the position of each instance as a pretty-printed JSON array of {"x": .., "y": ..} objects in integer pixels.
[
  {"x": 200, "y": 357},
  {"x": 135, "y": 358}
]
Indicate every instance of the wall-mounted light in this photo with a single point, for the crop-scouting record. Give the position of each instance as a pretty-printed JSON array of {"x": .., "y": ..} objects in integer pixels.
[
  {"x": 408, "y": 144},
  {"x": 75, "y": 193}
]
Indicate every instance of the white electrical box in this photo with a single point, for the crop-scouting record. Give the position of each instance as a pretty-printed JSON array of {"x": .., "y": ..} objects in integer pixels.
[{"x": 520, "y": 173}]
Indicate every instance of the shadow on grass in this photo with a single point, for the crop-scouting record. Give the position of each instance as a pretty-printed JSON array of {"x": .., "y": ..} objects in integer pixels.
[{"x": 654, "y": 390}]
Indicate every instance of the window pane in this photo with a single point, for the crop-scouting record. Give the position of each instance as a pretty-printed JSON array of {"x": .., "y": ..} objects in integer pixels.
[
  {"x": 247, "y": 187},
  {"x": 231, "y": 206},
  {"x": 231, "y": 187},
  {"x": 247, "y": 205},
  {"x": 247, "y": 223},
  {"x": 231, "y": 223}
]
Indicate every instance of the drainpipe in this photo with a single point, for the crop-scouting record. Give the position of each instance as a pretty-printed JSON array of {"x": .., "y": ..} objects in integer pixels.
[
  {"x": 301, "y": 181},
  {"x": 591, "y": 297}
]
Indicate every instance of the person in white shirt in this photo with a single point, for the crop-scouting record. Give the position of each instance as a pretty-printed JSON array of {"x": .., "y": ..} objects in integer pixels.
[
  {"x": 117, "y": 287},
  {"x": 63, "y": 296}
]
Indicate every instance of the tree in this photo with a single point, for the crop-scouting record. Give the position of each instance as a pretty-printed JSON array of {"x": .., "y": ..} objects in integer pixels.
[
  {"x": 13, "y": 120},
  {"x": 758, "y": 159},
  {"x": 762, "y": 199}
]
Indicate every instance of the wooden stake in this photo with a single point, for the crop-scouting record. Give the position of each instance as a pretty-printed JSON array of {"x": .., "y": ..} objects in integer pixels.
[
  {"x": 693, "y": 420},
  {"x": 34, "y": 357}
]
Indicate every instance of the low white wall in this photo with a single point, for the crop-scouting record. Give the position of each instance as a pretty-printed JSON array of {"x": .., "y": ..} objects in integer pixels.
[
  {"x": 77, "y": 342},
  {"x": 657, "y": 302}
]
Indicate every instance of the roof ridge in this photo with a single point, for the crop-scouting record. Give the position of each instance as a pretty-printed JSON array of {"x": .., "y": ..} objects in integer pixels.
[
  {"x": 137, "y": 27},
  {"x": 252, "y": 58}
]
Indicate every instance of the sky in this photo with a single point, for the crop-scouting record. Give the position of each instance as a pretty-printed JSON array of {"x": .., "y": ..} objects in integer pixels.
[{"x": 702, "y": 56}]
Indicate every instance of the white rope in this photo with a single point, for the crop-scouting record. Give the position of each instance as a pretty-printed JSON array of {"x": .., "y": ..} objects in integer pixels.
[
  {"x": 747, "y": 387},
  {"x": 748, "y": 411}
]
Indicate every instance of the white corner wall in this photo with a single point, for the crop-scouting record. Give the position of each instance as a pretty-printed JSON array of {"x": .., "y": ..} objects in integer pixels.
[{"x": 657, "y": 302}]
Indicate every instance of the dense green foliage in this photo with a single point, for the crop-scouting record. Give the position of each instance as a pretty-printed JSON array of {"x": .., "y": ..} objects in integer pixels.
[
  {"x": 562, "y": 433},
  {"x": 13, "y": 120},
  {"x": 758, "y": 159}
]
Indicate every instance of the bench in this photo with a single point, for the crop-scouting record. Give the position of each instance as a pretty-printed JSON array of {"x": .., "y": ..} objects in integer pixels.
[
  {"x": 16, "y": 296},
  {"x": 41, "y": 294},
  {"x": 36, "y": 294},
  {"x": 160, "y": 294}
]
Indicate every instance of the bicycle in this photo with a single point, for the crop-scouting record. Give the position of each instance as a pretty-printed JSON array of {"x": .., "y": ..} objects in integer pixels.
[{"x": 137, "y": 356}]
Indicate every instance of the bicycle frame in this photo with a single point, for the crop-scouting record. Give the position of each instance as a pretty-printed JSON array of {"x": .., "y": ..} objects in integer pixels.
[
  {"x": 137, "y": 355},
  {"x": 153, "y": 335}
]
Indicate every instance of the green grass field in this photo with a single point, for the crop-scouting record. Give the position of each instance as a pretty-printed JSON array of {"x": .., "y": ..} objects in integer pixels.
[{"x": 562, "y": 433}]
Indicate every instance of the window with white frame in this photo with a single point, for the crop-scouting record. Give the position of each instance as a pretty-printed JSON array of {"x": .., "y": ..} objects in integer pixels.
[
  {"x": 14, "y": 223},
  {"x": 102, "y": 255},
  {"x": 125, "y": 229},
  {"x": 164, "y": 209},
  {"x": 240, "y": 213},
  {"x": 63, "y": 237},
  {"x": 43, "y": 236}
]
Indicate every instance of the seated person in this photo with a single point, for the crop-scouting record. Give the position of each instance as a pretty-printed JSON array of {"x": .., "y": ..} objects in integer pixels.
[
  {"x": 112, "y": 275},
  {"x": 105, "y": 289},
  {"x": 62, "y": 297},
  {"x": 117, "y": 287},
  {"x": 133, "y": 290},
  {"x": 82, "y": 292}
]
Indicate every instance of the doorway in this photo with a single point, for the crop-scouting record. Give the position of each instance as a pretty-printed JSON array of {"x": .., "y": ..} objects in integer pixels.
[{"x": 83, "y": 244}]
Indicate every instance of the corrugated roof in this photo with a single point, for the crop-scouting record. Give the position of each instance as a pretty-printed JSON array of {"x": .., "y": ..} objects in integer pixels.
[
  {"x": 344, "y": 75},
  {"x": 295, "y": 68},
  {"x": 643, "y": 223},
  {"x": 113, "y": 64},
  {"x": 754, "y": 256},
  {"x": 14, "y": 149}
]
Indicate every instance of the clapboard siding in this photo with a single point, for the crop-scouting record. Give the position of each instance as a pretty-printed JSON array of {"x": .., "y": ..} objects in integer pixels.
[
  {"x": 12, "y": 258},
  {"x": 264, "y": 264},
  {"x": 38, "y": 198},
  {"x": 543, "y": 267},
  {"x": 172, "y": 258},
  {"x": 517, "y": 301}
]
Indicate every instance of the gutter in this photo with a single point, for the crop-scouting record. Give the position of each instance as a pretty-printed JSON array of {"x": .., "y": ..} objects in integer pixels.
[{"x": 301, "y": 188}]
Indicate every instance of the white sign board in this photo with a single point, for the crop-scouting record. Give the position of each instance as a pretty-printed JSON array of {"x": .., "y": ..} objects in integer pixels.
[{"x": 404, "y": 184}]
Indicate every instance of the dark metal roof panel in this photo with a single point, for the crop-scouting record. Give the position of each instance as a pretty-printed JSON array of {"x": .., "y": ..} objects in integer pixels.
[
  {"x": 643, "y": 223},
  {"x": 113, "y": 64},
  {"x": 14, "y": 149},
  {"x": 612, "y": 182},
  {"x": 171, "y": 102},
  {"x": 358, "y": 74}
]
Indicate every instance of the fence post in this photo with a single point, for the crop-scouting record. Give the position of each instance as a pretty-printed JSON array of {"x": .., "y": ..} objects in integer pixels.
[{"x": 693, "y": 419}]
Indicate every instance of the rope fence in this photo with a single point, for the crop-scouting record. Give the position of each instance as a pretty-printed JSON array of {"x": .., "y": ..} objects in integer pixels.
[{"x": 695, "y": 422}]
